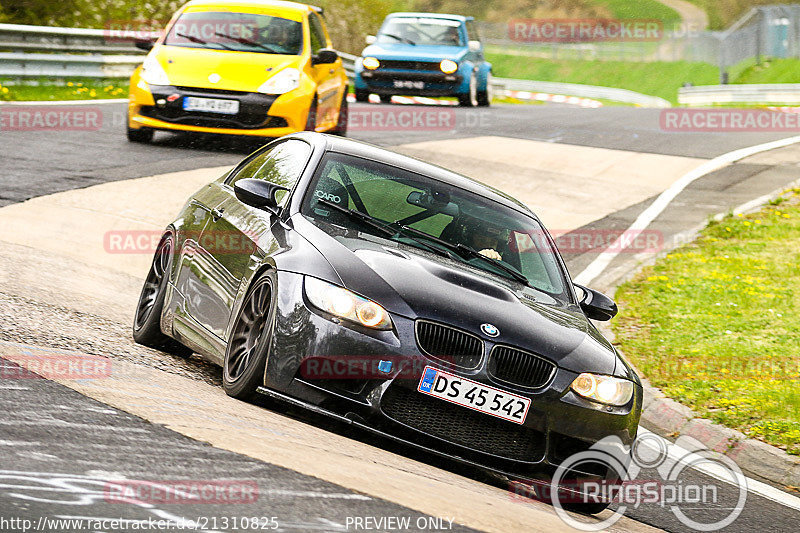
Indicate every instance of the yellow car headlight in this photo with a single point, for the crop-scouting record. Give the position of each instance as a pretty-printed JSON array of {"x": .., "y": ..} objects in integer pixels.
[
  {"x": 342, "y": 303},
  {"x": 447, "y": 66},
  {"x": 371, "y": 63},
  {"x": 153, "y": 73},
  {"x": 604, "y": 389},
  {"x": 284, "y": 81}
]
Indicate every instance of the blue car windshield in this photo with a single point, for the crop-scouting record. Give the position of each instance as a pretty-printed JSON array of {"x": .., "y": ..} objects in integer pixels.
[
  {"x": 421, "y": 31},
  {"x": 440, "y": 216},
  {"x": 240, "y": 32}
]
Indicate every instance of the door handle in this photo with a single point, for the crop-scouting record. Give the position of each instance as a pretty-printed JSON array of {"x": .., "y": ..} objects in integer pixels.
[
  {"x": 331, "y": 71},
  {"x": 216, "y": 214}
]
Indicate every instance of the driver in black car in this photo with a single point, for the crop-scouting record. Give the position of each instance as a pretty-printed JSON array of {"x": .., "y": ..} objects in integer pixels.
[{"x": 483, "y": 236}]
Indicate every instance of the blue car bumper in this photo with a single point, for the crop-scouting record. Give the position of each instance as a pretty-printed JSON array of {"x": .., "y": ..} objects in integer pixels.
[{"x": 414, "y": 82}]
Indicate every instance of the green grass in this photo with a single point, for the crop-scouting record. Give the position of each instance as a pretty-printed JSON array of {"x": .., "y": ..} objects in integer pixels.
[
  {"x": 657, "y": 79},
  {"x": 640, "y": 9},
  {"x": 772, "y": 71},
  {"x": 715, "y": 323},
  {"x": 79, "y": 89}
]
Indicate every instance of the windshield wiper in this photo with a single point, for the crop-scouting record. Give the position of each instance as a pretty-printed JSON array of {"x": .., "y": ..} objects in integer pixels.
[
  {"x": 198, "y": 40},
  {"x": 466, "y": 250},
  {"x": 249, "y": 42},
  {"x": 401, "y": 39},
  {"x": 386, "y": 229}
]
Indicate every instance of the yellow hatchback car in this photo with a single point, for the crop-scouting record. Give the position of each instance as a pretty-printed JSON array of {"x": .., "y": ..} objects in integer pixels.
[{"x": 240, "y": 67}]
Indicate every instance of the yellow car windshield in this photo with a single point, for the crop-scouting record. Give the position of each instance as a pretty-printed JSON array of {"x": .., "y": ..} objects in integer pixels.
[{"x": 240, "y": 32}]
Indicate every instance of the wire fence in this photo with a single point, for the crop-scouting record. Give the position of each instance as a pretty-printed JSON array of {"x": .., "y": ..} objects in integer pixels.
[{"x": 764, "y": 32}]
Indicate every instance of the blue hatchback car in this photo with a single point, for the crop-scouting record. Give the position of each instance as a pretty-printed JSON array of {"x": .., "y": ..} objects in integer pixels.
[{"x": 425, "y": 54}]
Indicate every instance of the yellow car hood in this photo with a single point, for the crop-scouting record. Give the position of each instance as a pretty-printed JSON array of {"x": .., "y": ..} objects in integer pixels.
[{"x": 236, "y": 71}]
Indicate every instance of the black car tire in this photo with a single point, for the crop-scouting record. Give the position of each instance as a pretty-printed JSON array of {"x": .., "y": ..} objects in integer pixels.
[
  {"x": 311, "y": 121},
  {"x": 142, "y": 135},
  {"x": 147, "y": 321},
  {"x": 362, "y": 95},
  {"x": 485, "y": 97},
  {"x": 471, "y": 98},
  {"x": 251, "y": 336},
  {"x": 341, "y": 124}
]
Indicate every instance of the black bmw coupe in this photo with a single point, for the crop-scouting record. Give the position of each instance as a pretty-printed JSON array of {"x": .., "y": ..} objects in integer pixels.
[{"x": 393, "y": 294}]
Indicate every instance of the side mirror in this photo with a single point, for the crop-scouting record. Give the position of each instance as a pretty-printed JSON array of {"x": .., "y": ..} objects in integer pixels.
[
  {"x": 474, "y": 46},
  {"x": 597, "y": 305},
  {"x": 259, "y": 194},
  {"x": 371, "y": 39},
  {"x": 144, "y": 44},
  {"x": 324, "y": 56}
]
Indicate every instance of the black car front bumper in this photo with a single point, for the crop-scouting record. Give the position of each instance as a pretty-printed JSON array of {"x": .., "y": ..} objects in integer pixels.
[{"x": 558, "y": 424}]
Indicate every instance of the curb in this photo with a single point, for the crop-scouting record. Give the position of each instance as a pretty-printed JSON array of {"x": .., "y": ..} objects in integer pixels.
[{"x": 670, "y": 419}]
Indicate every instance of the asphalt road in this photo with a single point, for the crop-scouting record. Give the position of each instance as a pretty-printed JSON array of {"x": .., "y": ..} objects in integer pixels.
[
  {"x": 47, "y": 426},
  {"x": 43, "y": 162},
  {"x": 68, "y": 457}
]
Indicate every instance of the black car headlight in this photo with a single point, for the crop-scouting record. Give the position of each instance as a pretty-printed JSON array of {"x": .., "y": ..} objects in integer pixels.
[
  {"x": 604, "y": 389},
  {"x": 342, "y": 303}
]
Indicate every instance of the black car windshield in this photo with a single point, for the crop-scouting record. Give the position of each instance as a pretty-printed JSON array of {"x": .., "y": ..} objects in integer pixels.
[
  {"x": 419, "y": 30},
  {"x": 241, "y": 32},
  {"x": 382, "y": 200}
]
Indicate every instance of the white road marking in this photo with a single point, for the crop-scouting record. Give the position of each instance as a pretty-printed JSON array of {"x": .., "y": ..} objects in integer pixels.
[
  {"x": 596, "y": 267},
  {"x": 695, "y": 462}
]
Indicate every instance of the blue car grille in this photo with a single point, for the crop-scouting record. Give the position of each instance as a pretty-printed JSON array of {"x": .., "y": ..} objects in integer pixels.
[{"x": 394, "y": 64}]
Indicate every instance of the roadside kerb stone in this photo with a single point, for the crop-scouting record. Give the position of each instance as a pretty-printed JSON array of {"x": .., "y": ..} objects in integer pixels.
[{"x": 670, "y": 419}]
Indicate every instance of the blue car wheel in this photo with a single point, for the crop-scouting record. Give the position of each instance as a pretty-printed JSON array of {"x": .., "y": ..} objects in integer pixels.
[{"x": 470, "y": 99}]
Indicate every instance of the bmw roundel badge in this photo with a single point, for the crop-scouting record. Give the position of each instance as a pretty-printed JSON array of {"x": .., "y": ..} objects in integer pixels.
[{"x": 490, "y": 330}]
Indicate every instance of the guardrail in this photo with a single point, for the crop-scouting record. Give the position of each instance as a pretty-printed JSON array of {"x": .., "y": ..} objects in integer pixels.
[
  {"x": 49, "y": 52},
  {"x": 45, "y": 52},
  {"x": 778, "y": 93},
  {"x": 586, "y": 91}
]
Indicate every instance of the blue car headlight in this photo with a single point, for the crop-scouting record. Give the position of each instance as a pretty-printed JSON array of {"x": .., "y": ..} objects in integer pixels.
[{"x": 448, "y": 66}]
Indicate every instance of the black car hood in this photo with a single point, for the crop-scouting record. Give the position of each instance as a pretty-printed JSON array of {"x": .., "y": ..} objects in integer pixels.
[{"x": 417, "y": 284}]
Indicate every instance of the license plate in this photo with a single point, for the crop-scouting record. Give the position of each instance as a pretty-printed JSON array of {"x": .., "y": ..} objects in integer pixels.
[
  {"x": 211, "y": 105},
  {"x": 474, "y": 395},
  {"x": 408, "y": 84}
]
